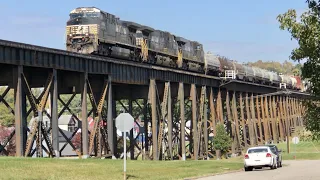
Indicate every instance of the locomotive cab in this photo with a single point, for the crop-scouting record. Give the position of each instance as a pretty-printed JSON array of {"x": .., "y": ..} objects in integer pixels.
[{"x": 82, "y": 29}]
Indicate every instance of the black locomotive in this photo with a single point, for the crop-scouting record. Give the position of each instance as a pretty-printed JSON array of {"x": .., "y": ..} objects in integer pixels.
[{"x": 92, "y": 31}]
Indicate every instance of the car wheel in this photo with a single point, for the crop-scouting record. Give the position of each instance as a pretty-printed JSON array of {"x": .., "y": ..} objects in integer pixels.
[
  {"x": 248, "y": 168},
  {"x": 272, "y": 167}
]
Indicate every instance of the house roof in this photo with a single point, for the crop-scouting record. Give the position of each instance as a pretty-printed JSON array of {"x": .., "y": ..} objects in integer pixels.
[
  {"x": 65, "y": 120},
  {"x": 44, "y": 118}
]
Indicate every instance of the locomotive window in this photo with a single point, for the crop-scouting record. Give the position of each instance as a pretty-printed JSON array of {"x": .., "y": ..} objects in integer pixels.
[
  {"x": 87, "y": 14},
  {"x": 76, "y": 15}
]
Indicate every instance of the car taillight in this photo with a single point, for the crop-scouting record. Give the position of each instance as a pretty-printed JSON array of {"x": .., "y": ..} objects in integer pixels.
[
  {"x": 268, "y": 155},
  {"x": 246, "y": 156}
]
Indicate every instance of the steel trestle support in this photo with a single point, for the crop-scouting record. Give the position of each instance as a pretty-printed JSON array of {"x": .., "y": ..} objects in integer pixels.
[{"x": 183, "y": 118}]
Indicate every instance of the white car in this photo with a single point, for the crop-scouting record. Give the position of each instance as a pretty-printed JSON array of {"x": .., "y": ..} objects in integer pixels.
[{"x": 259, "y": 157}]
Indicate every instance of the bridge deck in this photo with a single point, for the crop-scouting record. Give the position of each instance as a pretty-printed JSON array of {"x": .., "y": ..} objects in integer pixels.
[{"x": 121, "y": 71}]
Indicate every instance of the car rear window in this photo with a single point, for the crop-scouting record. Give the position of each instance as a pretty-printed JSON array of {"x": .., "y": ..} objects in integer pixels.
[
  {"x": 260, "y": 150},
  {"x": 273, "y": 149}
]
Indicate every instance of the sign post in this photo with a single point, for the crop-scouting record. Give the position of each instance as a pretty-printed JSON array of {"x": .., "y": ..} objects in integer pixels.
[
  {"x": 295, "y": 141},
  {"x": 124, "y": 123},
  {"x": 124, "y": 156}
]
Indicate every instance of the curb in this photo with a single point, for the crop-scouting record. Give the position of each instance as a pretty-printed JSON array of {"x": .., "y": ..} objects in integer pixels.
[{"x": 216, "y": 174}]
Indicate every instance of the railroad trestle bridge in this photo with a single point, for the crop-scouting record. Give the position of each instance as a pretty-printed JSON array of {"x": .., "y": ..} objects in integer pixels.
[{"x": 181, "y": 108}]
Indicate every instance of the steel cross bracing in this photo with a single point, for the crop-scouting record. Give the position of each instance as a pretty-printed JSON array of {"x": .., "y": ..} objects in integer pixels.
[
  {"x": 185, "y": 107},
  {"x": 243, "y": 123},
  {"x": 37, "y": 128},
  {"x": 212, "y": 121},
  {"x": 98, "y": 130},
  {"x": 163, "y": 140},
  {"x": 259, "y": 118},
  {"x": 68, "y": 139},
  {"x": 164, "y": 135},
  {"x": 136, "y": 115},
  {"x": 8, "y": 138},
  {"x": 133, "y": 140},
  {"x": 175, "y": 134},
  {"x": 189, "y": 135},
  {"x": 235, "y": 124},
  {"x": 169, "y": 139},
  {"x": 203, "y": 125},
  {"x": 255, "y": 124},
  {"x": 37, "y": 100},
  {"x": 198, "y": 138}
]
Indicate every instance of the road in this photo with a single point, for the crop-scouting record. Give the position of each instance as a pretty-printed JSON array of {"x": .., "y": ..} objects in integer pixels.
[{"x": 292, "y": 170}]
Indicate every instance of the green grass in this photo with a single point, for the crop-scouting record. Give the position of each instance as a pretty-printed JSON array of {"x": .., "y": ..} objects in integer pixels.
[
  {"x": 301, "y": 151},
  {"x": 31, "y": 168},
  {"x": 301, "y": 156}
]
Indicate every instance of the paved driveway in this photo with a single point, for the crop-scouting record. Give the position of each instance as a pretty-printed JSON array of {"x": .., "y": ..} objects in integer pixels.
[{"x": 292, "y": 170}]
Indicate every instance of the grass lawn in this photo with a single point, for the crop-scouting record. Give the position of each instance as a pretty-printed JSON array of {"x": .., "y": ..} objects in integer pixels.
[
  {"x": 303, "y": 150},
  {"x": 31, "y": 168}
]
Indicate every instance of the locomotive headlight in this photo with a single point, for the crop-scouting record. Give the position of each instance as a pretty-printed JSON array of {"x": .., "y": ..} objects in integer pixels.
[
  {"x": 87, "y": 34},
  {"x": 70, "y": 35}
]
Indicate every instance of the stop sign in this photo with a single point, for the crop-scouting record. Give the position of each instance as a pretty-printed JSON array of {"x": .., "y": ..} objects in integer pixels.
[{"x": 124, "y": 122}]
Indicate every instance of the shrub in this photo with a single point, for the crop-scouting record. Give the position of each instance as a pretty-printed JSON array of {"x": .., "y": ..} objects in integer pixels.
[
  {"x": 10, "y": 149},
  {"x": 222, "y": 140}
]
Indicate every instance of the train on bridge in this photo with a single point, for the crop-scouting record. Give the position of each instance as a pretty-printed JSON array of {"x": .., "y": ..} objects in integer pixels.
[{"x": 93, "y": 31}]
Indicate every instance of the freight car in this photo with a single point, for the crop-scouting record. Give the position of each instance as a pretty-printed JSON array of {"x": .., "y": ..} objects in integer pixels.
[
  {"x": 90, "y": 30},
  {"x": 230, "y": 69}
]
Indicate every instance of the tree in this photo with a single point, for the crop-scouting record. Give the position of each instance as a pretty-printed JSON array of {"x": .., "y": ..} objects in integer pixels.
[
  {"x": 306, "y": 31},
  {"x": 222, "y": 141},
  {"x": 284, "y": 68},
  {"x": 10, "y": 149},
  {"x": 76, "y": 141},
  {"x": 6, "y": 117}
]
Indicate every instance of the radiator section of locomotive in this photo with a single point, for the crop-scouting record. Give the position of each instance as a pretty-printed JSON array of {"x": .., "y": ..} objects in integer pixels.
[{"x": 82, "y": 38}]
